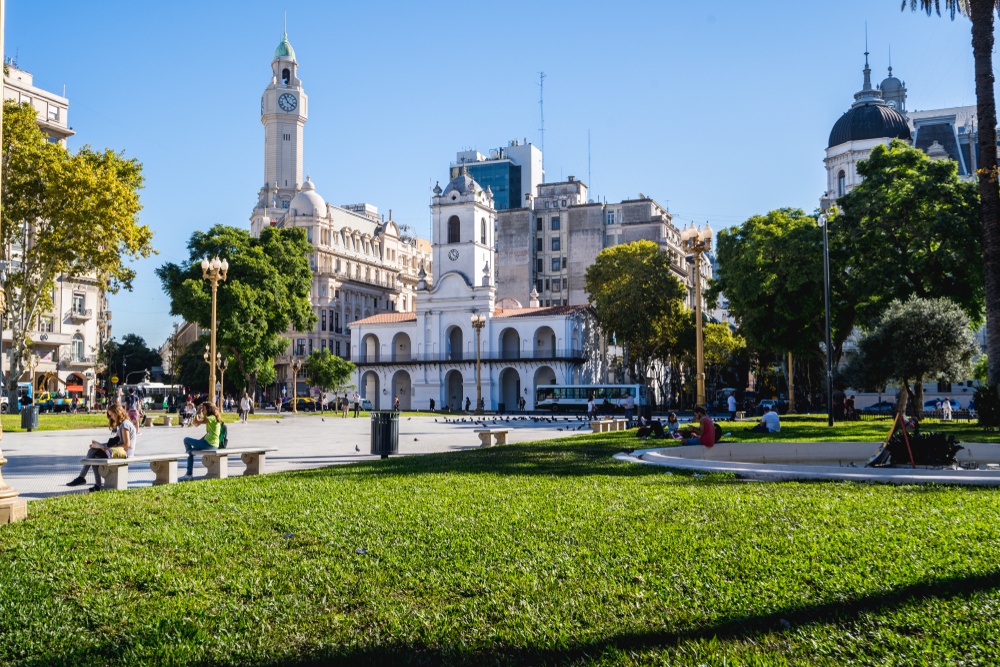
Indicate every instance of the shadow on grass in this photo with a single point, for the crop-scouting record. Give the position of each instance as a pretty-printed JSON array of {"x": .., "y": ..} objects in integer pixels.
[{"x": 749, "y": 628}]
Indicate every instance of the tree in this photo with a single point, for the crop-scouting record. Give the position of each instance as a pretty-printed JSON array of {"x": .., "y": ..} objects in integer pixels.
[
  {"x": 910, "y": 228},
  {"x": 192, "y": 371},
  {"x": 915, "y": 340},
  {"x": 265, "y": 294},
  {"x": 980, "y": 12},
  {"x": 64, "y": 214},
  {"x": 130, "y": 356},
  {"x": 328, "y": 371},
  {"x": 722, "y": 347},
  {"x": 632, "y": 287}
]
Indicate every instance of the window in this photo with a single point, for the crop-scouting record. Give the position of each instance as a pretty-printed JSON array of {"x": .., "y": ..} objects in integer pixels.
[
  {"x": 538, "y": 285},
  {"x": 548, "y": 284},
  {"x": 557, "y": 285},
  {"x": 564, "y": 262},
  {"x": 453, "y": 229},
  {"x": 322, "y": 320},
  {"x": 555, "y": 224},
  {"x": 611, "y": 217},
  {"x": 538, "y": 266},
  {"x": 555, "y": 263},
  {"x": 53, "y": 113},
  {"x": 609, "y": 240},
  {"x": 482, "y": 231},
  {"x": 310, "y": 346},
  {"x": 336, "y": 292},
  {"x": 79, "y": 303},
  {"x": 338, "y": 348},
  {"x": 841, "y": 183},
  {"x": 323, "y": 345},
  {"x": 77, "y": 349},
  {"x": 284, "y": 203},
  {"x": 309, "y": 234},
  {"x": 285, "y": 76},
  {"x": 555, "y": 243},
  {"x": 538, "y": 244},
  {"x": 538, "y": 224},
  {"x": 300, "y": 346},
  {"x": 336, "y": 322}
]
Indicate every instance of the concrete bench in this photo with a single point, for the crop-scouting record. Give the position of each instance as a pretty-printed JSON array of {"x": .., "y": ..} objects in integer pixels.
[
  {"x": 741, "y": 415},
  {"x": 148, "y": 421},
  {"x": 500, "y": 434},
  {"x": 167, "y": 420},
  {"x": 115, "y": 471},
  {"x": 619, "y": 425},
  {"x": 217, "y": 461},
  {"x": 601, "y": 425}
]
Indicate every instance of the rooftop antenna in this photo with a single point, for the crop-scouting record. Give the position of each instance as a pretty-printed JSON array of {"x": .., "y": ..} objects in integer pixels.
[
  {"x": 589, "y": 184},
  {"x": 541, "y": 112}
]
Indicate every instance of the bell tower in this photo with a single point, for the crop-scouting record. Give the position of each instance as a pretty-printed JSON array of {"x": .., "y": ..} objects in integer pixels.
[{"x": 284, "y": 109}]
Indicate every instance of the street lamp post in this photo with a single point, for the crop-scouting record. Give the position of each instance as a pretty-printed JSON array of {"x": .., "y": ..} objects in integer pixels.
[
  {"x": 478, "y": 322},
  {"x": 214, "y": 270},
  {"x": 698, "y": 241},
  {"x": 296, "y": 365},
  {"x": 825, "y": 204},
  {"x": 223, "y": 363}
]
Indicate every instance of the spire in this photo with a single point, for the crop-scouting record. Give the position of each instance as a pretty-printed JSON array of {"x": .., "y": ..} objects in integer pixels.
[{"x": 867, "y": 94}]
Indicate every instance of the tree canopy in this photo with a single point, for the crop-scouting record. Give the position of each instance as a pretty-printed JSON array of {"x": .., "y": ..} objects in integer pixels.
[
  {"x": 910, "y": 228},
  {"x": 914, "y": 340},
  {"x": 131, "y": 355},
  {"x": 632, "y": 288},
  {"x": 265, "y": 294},
  {"x": 64, "y": 214},
  {"x": 327, "y": 370},
  {"x": 770, "y": 269}
]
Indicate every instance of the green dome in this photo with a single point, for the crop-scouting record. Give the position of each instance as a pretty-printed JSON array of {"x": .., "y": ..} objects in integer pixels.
[{"x": 284, "y": 49}]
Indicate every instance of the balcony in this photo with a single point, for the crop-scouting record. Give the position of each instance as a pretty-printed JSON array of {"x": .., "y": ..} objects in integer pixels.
[
  {"x": 87, "y": 361},
  {"x": 78, "y": 314},
  {"x": 459, "y": 357}
]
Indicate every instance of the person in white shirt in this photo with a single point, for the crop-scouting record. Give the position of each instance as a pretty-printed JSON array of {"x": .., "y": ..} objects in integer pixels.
[
  {"x": 590, "y": 409},
  {"x": 769, "y": 423},
  {"x": 244, "y": 407},
  {"x": 731, "y": 404}
]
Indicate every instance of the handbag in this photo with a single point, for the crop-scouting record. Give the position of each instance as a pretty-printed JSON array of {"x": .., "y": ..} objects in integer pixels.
[{"x": 118, "y": 452}]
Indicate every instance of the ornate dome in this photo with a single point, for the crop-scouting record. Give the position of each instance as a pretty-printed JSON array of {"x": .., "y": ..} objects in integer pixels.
[
  {"x": 307, "y": 201},
  {"x": 284, "y": 49},
  {"x": 869, "y": 121},
  {"x": 462, "y": 184}
]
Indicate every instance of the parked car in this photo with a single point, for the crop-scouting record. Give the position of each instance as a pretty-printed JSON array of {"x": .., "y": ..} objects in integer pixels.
[
  {"x": 366, "y": 404},
  {"x": 932, "y": 404},
  {"x": 781, "y": 407},
  {"x": 302, "y": 404},
  {"x": 886, "y": 407},
  {"x": 45, "y": 401}
]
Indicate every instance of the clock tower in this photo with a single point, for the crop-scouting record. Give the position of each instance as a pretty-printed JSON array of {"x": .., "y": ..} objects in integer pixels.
[{"x": 284, "y": 108}]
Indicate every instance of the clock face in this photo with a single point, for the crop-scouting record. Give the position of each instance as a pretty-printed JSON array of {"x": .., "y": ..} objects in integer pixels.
[
  {"x": 453, "y": 254},
  {"x": 287, "y": 102}
]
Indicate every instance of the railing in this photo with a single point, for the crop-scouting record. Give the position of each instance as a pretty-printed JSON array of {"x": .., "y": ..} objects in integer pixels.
[
  {"x": 78, "y": 314},
  {"x": 388, "y": 358},
  {"x": 85, "y": 361}
]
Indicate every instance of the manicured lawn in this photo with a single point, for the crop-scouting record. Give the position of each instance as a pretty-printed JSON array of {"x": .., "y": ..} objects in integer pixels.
[
  {"x": 813, "y": 428},
  {"x": 545, "y": 553}
]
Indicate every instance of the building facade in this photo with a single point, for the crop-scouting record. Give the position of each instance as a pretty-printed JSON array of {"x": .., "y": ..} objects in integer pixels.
[
  {"x": 68, "y": 338},
  {"x": 510, "y": 172},
  {"x": 548, "y": 244},
  {"x": 428, "y": 358},
  {"x": 362, "y": 263}
]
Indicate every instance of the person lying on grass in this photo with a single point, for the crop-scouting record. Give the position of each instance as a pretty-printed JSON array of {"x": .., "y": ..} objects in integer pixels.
[{"x": 120, "y": 446}]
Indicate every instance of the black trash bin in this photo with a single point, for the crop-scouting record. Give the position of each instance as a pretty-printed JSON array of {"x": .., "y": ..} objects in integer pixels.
[
  {"x": 501, "y": 408},
  {"x": 29, "y": 417},
  {"x": 385, "y": 433}
]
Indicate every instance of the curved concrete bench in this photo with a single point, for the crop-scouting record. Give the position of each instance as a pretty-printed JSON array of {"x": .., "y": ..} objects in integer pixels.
[
  {"x": 115, "y": 471},
  {"x": 217, "y": 461}
]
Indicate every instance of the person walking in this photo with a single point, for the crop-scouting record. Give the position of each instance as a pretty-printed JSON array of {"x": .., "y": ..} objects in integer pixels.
[
  {"x": 946, "y": 409},
  {"x": 357, "y": 404},
  {"x": 244, "y": 407},
  {"x": 208, "y": 415},
  {"x": 344, "y": 406},
  {"x": 395, "y": 403},
  {"x": 731, "y": 405},
  {"x": 590, "y": 408},
  {"x": 629, "y": 405}
]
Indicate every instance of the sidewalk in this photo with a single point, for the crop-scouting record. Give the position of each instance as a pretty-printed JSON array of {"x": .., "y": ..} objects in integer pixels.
[{"x": 40, "y": 463}]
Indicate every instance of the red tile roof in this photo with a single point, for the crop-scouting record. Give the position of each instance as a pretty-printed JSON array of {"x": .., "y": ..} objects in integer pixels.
[
  {"x": 540, "y": 312},
  {"x": 387, "y": 318}
]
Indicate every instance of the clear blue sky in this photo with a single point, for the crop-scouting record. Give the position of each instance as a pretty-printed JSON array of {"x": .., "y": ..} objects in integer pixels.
[{"x": 720, "y": 112}]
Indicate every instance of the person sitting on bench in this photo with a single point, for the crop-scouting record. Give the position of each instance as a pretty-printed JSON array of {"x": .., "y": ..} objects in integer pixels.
[
  {"x": 120, "y": 446},
  {"x": 769, "y": 423}
]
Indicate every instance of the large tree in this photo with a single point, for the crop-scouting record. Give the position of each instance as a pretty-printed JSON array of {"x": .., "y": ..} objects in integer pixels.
[
  {"x": 632, "y": 288},
  {"x": 328, "y": 371},
  {"x": 980, "y": 12},
  {"x": 64, "y": 214},
  {"x": 915, "y": 340},
  {"x": 130, "y": 357},
  {"x": 265, "y": 294},
  {"x": 910, "y": 228}
]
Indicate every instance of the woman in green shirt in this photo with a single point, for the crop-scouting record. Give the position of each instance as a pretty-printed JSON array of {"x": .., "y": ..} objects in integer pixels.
[{"x": 208, "y": 415}]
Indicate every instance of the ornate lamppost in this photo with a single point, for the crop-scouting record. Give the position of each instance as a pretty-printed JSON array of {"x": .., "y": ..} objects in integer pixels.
[
  {"x": 478, "y": 322},
  {"x": 213, "y": 270},
  {"x": 698, "y": 241},
  {"x": 223, "y": 363},
  {"x": 825, "y": 204},
  {"x": 296, "y": 365}
]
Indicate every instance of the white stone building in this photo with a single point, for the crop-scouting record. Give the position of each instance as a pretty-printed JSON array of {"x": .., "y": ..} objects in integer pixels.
[
  {"x": 362, "y": 264},
  {"x": 66, "y": 339},
  {"x": 430, "y": 354}
]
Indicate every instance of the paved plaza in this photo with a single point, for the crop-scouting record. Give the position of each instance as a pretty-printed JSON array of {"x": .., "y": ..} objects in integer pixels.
[{"x": 40, "y": 463}]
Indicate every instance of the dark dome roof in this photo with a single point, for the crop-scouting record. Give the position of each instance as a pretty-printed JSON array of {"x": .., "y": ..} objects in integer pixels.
[{"x": 869, "y": 121}]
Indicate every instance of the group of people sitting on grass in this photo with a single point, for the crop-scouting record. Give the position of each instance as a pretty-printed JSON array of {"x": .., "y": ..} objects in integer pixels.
[
  {"x": 702, "y": 430},
  {"x": 125, "y": 433}
]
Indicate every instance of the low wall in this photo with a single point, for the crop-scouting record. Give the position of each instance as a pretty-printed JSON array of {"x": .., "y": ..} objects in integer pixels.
[{"x": 815, "y": 453}]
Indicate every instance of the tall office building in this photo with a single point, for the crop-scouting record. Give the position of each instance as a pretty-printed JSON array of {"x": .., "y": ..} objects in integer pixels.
[{"x": 510, "y": 172}]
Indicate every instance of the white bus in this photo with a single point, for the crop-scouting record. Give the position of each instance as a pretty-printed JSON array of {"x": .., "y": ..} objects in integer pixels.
[
  {"x": 574, "y": 398},
  {"x": 153, "y": 394}
]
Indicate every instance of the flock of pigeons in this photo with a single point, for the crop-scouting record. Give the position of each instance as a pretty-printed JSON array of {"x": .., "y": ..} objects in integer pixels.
[{"x": 486, "y": 423}]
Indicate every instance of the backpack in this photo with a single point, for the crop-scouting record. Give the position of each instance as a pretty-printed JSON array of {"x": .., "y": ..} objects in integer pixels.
[
  {"x": 132, "y": 402},
  {"x": 223, "y": 435},
  {"x": 718, "y": 432}
]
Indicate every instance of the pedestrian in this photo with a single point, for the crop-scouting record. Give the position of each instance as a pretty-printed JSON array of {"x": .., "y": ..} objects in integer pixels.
[
  {"x": 245, "y": 407},
  {"x": 629, "y": 405},
  {"x": 769, "y": 422},
  {"x": 468, "y": 403},
  {"x": 704, "y": 432},
  {"x": 946, "y": 409},
  {"x": 395, "y": 403},
  {"x": 357, "y": 404},
  {"x": 344, "y": 406},
  {"x": 208, "y": 415},
  {"x": 590, "y": 408},
  {"x": 731, "y": 404},
  {"x": 132, "y": 407},
  {"x": 121, "y": 445}
]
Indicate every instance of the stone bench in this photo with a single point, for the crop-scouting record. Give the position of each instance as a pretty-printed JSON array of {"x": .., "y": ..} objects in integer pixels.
[
  {"x": 148, "y": 421},
  {"x": 217, "y": 461},
  {"x": 167, "y": 420},
  {"x": 601, "y": 425},
  {"x": 741, "y": 415},
  {"x": 115, "y": 471},
  {"x": 499, "y": 434}
]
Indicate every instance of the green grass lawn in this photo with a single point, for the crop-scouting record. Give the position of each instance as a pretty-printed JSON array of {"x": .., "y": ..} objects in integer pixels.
[
  {"x": 65, "y": 421},
  {"x": 813, "y": 428},
  {"x": 546, "y": 553}
]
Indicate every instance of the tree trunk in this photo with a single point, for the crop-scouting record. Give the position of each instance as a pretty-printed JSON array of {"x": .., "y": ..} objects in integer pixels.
[
  {"x": 904, "y": 395},
  {"x": 791, "y": 385},
  {"x": 918, "y": 395},
  {"x": 981, "y": 13}
]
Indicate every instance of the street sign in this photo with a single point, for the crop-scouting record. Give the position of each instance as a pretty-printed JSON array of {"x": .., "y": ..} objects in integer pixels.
[{"x": 114, "y": 379}]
